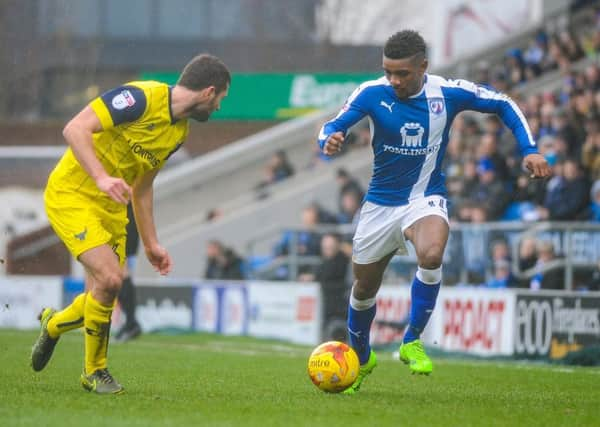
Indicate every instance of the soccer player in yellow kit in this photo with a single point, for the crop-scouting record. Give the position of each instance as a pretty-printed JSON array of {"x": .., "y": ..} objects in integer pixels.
[{"x": 117, "y": 144}]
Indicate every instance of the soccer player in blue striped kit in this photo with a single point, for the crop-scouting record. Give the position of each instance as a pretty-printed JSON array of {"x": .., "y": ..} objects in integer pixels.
[{"x": 410, "y": 113}]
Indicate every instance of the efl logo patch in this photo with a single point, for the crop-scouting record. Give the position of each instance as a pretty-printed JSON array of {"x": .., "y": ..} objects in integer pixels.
[
  {"x": 123, "y": 100},
  {"x": 436, "y": 105}
]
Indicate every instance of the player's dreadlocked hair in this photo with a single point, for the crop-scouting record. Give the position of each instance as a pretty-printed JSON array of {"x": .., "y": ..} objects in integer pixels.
[
  {"x": 405, "y": 44},
  {"x": 204, "y": 71}
]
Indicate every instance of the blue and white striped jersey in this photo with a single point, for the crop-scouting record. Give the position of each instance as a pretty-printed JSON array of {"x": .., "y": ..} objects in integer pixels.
[{"x": 409, "y": 136}]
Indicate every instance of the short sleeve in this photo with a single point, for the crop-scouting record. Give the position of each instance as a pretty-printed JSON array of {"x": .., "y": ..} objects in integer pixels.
[{"x": 120, "y": 105}]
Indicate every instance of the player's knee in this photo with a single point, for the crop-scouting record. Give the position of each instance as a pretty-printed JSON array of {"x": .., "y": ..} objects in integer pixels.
[
  {"x": 431, "y": 258},
  {"x": 111, "y": 281},
  {"x": 363, "y": 289}
]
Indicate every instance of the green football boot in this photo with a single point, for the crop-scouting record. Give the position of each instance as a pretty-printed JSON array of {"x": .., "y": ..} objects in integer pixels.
[
  {"x": 413, "y": 354},
  {"x": 44, "y": 346},
  {"x": 364, "y": 370},
  {"x": 101, "y": 382}
]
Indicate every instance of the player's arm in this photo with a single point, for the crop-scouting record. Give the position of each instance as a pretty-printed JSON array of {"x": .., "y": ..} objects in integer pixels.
[
  {"x": 78, "y": 134},
  {"x": 143, "y": 209},
  {"x": 485, "y": 100},
  {"x": 332, "y": 134},
  {"x": 112, "y": 108}
]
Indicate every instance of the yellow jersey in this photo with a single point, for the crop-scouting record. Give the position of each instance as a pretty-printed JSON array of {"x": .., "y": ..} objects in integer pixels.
[{"x": 139, "y": 134}]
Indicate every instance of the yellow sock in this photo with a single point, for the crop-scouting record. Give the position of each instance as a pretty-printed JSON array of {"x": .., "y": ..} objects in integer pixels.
[
  {"x": 69, "y": 318},
  {"x": 97, "y": 329}
]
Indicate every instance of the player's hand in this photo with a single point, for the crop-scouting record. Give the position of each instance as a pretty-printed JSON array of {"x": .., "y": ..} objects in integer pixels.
[
  {"x": 160, "y": 259},
  {"x": 116, "y": 188},
  {"x": 537, "y": 165},
  {"x": 334, "y": 143}
]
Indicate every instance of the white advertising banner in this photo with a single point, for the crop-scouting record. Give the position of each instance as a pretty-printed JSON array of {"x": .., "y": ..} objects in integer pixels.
[
  {"x": 468, "y": 320},
  {"x": 285, "y": 310},
  {"x": 206, "y": 309},
  {"x": 221, "y": 307},
  {"x": 22, "y": 298},
  {"x": 477, "y": 321},
  {"x": 393, "y": 308}
]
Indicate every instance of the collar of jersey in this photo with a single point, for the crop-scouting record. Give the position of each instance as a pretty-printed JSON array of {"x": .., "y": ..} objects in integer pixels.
[{"x": 416, "y": 95}]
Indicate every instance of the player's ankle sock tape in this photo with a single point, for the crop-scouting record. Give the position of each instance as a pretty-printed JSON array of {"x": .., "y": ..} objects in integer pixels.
[
  {"x": 430, "y": 277},
  {"x": 361, "y": 305},
  {"x": 71, "y": 317}
]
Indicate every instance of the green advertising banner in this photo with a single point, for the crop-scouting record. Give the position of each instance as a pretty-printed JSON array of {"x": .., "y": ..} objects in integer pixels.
[{"x": 279, "y": 96}]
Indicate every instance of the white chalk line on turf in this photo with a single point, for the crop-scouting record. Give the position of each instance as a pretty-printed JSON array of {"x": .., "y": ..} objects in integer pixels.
[
  {"x": 231, "y": 348},
  {"x": 525, "y": 366}
]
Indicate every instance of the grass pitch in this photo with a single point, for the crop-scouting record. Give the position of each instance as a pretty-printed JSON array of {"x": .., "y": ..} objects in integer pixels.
[{"x": 195, "y": 380}]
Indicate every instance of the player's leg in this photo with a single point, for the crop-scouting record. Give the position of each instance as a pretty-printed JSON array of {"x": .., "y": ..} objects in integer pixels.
[
  {"x": 104, "y": 277},
  {"x": 376, "y": 240},
  {"x": 65, "y": 215},
  {"x": 362, "y": 307},
  {"x": 131, "y": 329},
  {"x": 361, "y": 312},
  {"x": 429, "y": 236}
]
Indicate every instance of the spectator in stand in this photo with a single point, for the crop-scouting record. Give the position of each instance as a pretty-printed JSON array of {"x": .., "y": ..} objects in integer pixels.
[
  {"x": 347, "y": 183},
  {"x": 470, "y": 180},
  {"x": 564, "y": 130},
  {"x": 490, "y": 192},
  {"x": 308, "y": 240},
  {"x": 222, "y": 262},
  {"x": 280, "y": 166},
  {"x": 535, "y": 54},
  {"x": 591, "y": 155},
  {"x": 332, "y": 274},
  {"x": 547, "y": 277},
  {"x": 527, "y": 257},
  {"x": 505, "y": 143},
  {"x": 214, "y": 214},
  {"x": 487, "y": 150},
  {"x": 568, "y": 198},
  {"x": 529, "y": 190},
  {"x": 455, "y": 152},
  {"x": 515, "y": 69},
  {"x": 277, "y": 169},
  {"x": 500, "y": 250},
  {"x": 503, "y": 277},
  {"x": 351, "y": 203},
  {"x": 570, "y": 46},
  {"x": 479, "y": 214}
]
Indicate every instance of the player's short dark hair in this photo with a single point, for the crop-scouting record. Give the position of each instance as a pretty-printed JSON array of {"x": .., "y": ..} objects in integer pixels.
[
  {"x": 204, "y": 71},
  {"x": 405, "y": 44}
]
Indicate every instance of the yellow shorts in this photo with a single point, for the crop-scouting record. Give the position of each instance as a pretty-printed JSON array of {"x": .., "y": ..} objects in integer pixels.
[{"x": 83, "y": 224}]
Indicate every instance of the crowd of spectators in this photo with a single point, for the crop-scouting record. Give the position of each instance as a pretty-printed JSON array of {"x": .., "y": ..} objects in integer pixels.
[{"x": 483, "y": 168}]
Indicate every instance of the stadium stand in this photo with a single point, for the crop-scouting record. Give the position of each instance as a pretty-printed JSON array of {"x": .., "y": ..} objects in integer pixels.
[{"x": 550, "y": 70}]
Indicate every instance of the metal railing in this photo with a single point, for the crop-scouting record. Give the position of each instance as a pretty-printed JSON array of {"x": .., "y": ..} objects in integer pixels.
[{"x": 467, "y": 259}]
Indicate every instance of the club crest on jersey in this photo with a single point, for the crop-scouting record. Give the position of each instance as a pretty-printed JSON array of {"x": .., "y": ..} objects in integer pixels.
[
  {"x": 412, "y": 134},
  {"x": 123, "y": 100},
  {"x": 436, "y": 105}
]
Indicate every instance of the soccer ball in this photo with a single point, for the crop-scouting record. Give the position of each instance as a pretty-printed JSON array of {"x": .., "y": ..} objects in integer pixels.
[{"x": 333, "y": 366}]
